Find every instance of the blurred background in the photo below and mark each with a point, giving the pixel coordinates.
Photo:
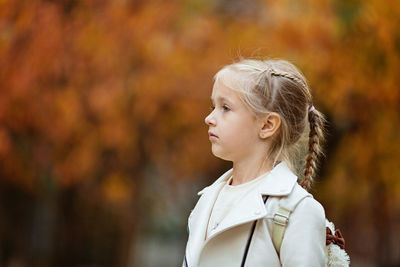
(103, 145)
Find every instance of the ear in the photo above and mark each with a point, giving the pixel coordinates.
(269, 125)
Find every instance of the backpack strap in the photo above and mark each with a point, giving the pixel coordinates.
(287, 204)
(281, 218)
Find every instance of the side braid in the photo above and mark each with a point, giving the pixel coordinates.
(274, 72)
(316, 135)
(288, 76)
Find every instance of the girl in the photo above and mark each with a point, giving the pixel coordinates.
(261, 110)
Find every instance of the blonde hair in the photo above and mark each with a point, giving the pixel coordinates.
(276, 85)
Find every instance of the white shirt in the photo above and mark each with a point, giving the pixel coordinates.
(227, 198)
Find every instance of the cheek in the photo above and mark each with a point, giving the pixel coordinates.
(244, 132)
(250, 133)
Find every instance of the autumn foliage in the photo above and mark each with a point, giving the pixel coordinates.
(97, 95)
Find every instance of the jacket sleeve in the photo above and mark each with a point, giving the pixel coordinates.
(304, 241)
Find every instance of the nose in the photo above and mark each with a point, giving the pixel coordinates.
(210, 120)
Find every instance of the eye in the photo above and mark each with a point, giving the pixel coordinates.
(226, 108)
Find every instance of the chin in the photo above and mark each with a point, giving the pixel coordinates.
(219, 154)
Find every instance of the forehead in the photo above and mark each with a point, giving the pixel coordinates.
(222, 88)
(221, 92)
(225, 89)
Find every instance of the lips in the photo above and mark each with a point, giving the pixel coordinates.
(210, 134)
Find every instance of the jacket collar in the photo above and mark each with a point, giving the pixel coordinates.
(278, 182)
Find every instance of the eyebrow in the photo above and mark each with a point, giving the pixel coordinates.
(221, 98)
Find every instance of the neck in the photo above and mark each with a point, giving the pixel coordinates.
(249, 169)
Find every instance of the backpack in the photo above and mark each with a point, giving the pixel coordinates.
(336, 256)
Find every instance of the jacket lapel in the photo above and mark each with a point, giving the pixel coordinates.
(278, 182)
(198, 219)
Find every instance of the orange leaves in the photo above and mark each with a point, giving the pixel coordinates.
(135, 80)
(92, 92)
(117, 189)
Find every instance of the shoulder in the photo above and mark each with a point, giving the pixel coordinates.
(308, 207)
(300, 202)
(312, 207)
(305, 236)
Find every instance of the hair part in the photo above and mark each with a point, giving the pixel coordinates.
(276, 85)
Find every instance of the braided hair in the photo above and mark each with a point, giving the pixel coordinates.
(316, 135)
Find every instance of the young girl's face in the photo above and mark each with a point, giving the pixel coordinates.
(233, 129)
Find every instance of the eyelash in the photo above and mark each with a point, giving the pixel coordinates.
(225, 107)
